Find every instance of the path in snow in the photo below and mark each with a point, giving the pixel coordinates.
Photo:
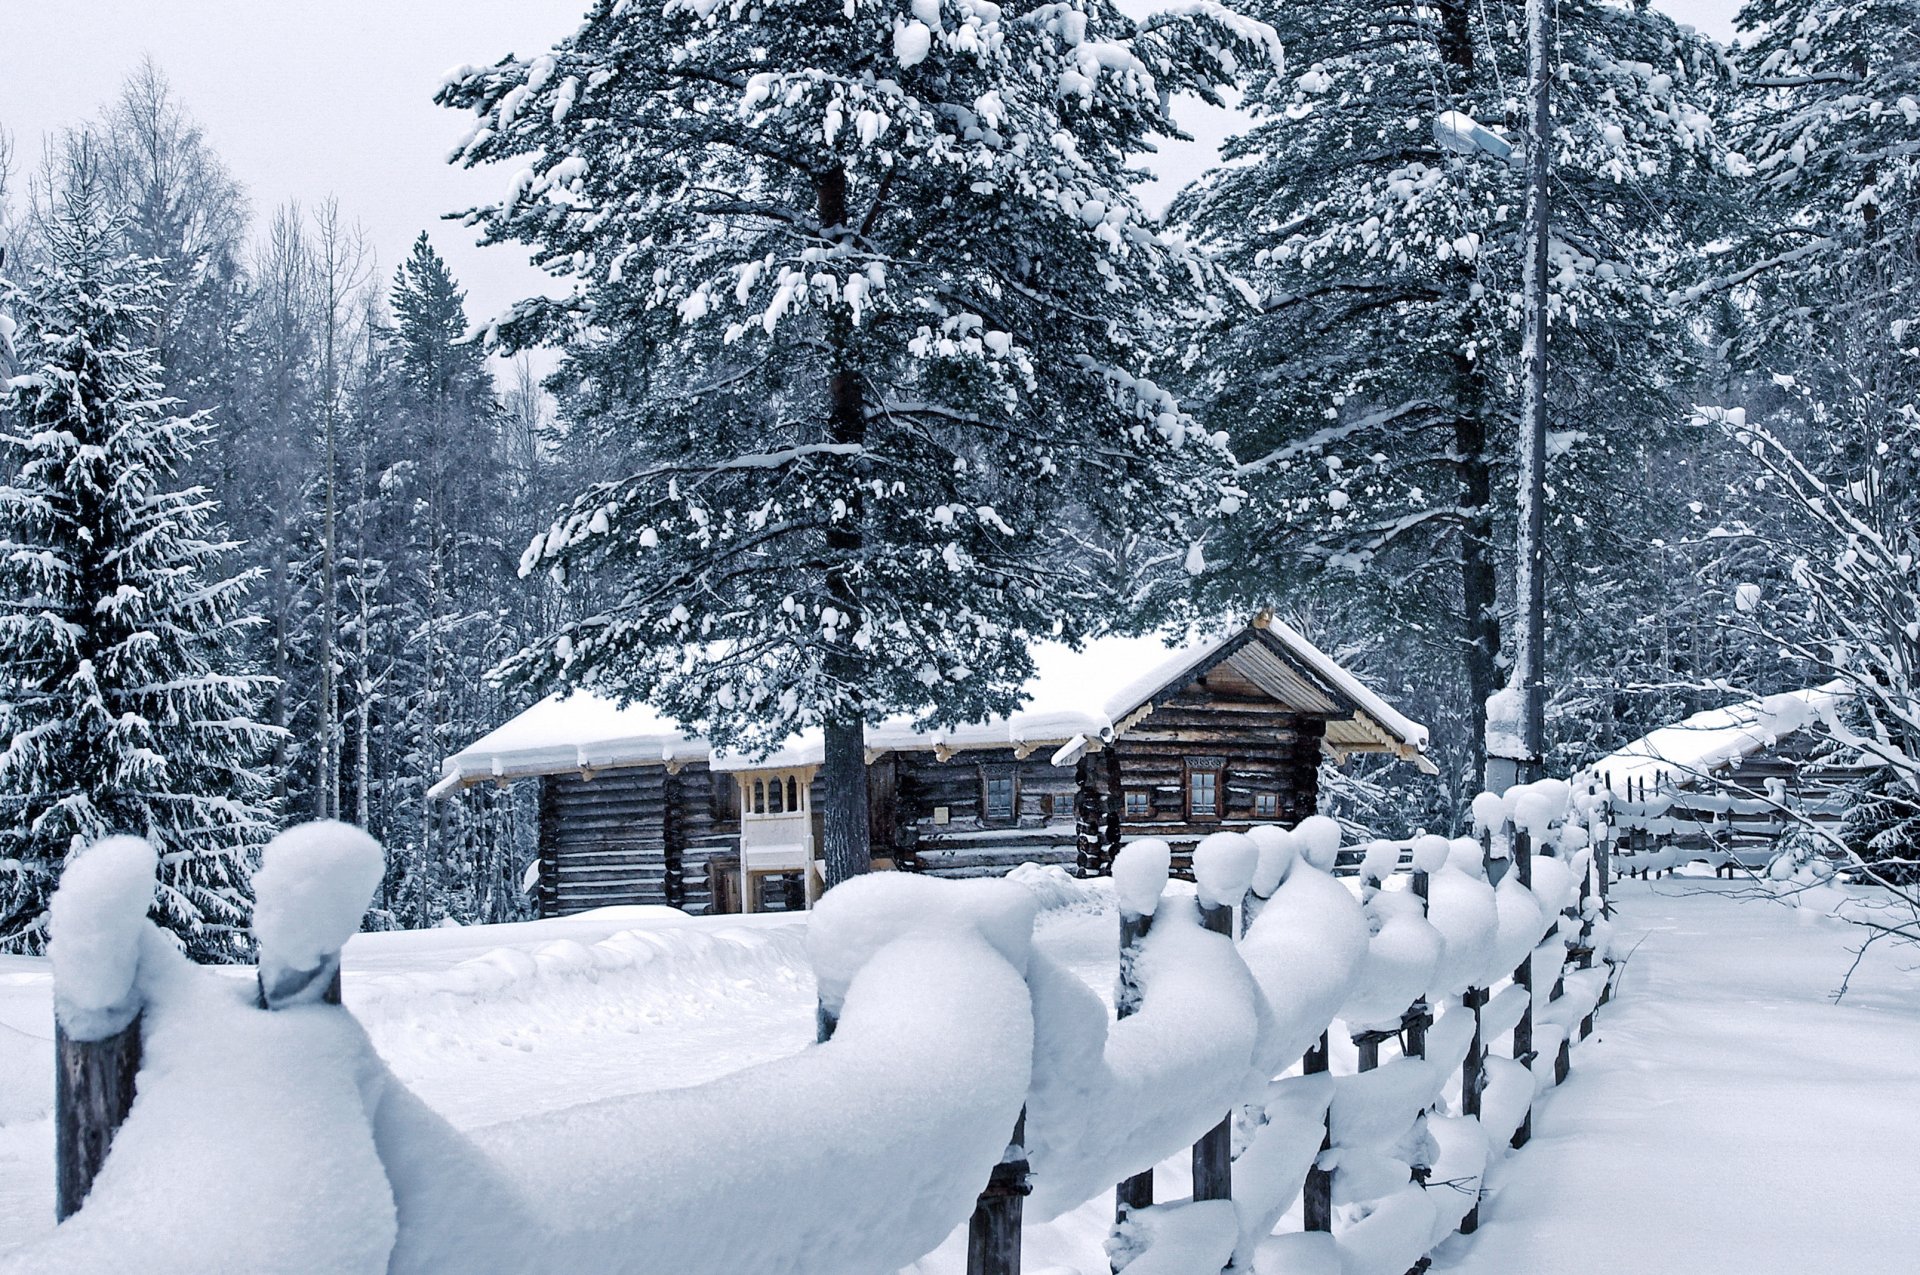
(1727, 1116)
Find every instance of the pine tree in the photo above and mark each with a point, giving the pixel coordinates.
(861, 289)
(1373, 398)
(120, 702)
(1820, 280)
(1828, 120)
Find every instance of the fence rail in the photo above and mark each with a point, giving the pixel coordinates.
(1364, 1049)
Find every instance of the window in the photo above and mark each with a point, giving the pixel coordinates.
(998, 803)
(1139, 804)
(1203, 794)
(775, 804)
(1205, 787)
(1266, 805)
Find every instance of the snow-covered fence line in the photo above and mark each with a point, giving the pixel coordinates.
(964, 1069)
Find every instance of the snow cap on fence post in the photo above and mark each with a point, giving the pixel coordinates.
(1223, 867)
(98, 917)
(1277, 851)
(313, 886)
(1140, 874)
(1430, 853)
(1318, 838)
(1537, 806)
(857, 918)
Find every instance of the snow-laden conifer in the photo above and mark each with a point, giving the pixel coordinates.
(121, 708)
(864, 286)
(1372, 401)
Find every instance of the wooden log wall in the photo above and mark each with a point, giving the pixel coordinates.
(641, 835)
(634, 835)
(1263, 749)
(1040, 828)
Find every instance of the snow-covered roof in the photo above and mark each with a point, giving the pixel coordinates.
(1708, 740)
(1076, 696)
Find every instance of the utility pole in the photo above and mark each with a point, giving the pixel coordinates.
(1530, 589)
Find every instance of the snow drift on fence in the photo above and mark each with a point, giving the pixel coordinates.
(860, 1155)
(271, 1112)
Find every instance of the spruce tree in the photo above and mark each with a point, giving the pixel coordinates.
(122, 707)
(1373, 398)
(441, 523)
(862, 287)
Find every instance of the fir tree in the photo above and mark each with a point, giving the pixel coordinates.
(862, 287)
(120, 701)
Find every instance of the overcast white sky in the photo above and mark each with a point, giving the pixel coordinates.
(305, 98)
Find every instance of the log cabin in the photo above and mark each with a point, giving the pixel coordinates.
(1724, 786)
(1119, 739)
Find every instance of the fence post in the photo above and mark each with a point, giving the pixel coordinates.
(103, 897)
(1213, 1154)
(993, 1233)
(1316, 1197)
(1419, 1016)
(1135, 1192)
(1522, 853)
(1473, 1070)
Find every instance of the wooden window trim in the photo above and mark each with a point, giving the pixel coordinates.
(1214, 766)
(1137, 803)
(1270, 798)
(1012, 776)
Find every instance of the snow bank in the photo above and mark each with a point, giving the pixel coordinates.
(1505, 1101)
(1223, 867)
(1053, 886)
(1282, 1146)
(1305, 950)
(1177, 1239)
(1140, 874)
(1393, 1235)
(852, 1158)
(1318, 838)
(1521, 923)
(1276, 849)
(1464, 911)
(98, 918)
(1401, 961)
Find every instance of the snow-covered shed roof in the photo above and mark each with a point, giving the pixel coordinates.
(1706, 741)
(1076, 696)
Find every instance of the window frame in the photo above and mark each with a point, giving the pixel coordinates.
(1216, 769)
(1266, 805)
(990, 776)
(1137, 803)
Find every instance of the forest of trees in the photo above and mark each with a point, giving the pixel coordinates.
(340, 455)
(875, 368)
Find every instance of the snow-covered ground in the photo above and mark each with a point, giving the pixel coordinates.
(1727, 1115)
(1708, 1126)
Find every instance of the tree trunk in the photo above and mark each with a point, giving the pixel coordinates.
(1479, 596)
(844, 818)
(847, 830)
(1530, 597)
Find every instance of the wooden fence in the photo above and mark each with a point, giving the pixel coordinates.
(97, 1072)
